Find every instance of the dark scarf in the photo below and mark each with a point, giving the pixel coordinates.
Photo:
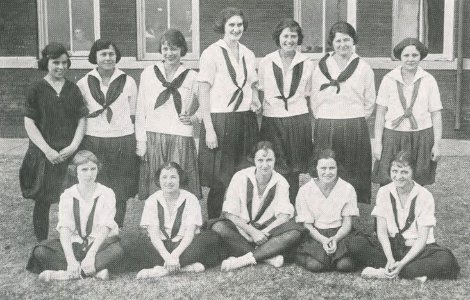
(237, 96)
(342, 77)
(296, 76)
(115, 89)
(176, 225)
(171, 89)
(408, 111)
(266, 203)
(89, 223)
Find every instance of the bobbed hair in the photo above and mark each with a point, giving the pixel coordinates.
(422, 49)
(224, 15)
(403, 158)
(261, 145)
(326, 153)
(52, 51)
(174, 37)
(80, 158)
(171, 165)
(100, 45)
(292, 25)
(342, 27)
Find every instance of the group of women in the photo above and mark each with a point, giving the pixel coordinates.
(256, 213)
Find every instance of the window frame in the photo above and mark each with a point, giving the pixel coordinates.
(351, 12)
(449, 23)
(43, 32)
(141, 51)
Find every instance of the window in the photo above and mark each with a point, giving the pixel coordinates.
(317, 16)
(156, 16)
(432, 21)
(74, 23)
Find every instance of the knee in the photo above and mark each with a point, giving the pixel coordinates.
(221, 228)
(309, 263)
(292, 236)
(41, 253)
(345, 264)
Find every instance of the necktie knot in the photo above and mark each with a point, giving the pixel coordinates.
(408, 112)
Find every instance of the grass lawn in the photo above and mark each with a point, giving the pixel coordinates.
(260, 282)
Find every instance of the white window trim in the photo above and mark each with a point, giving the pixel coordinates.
(190, 56)
(42, 25)
(351, 11)
(448, 42)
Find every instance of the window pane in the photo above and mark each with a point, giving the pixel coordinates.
(181, 19)
(435, 25)
(83, 30)
(58, 22)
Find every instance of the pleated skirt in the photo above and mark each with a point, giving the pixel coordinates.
(292, 141)
(418, 143)
(237, 134)
(350, 140)
(163, 148)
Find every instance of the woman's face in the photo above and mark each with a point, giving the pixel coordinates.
(58, 66)
(327, 170)
(87, 172)
(264, 161)
(410, 58)
(233, 28)
(106, 58)
(401, 174)
(171, 54)
(169, 180)
(288, 40)
(343, 44)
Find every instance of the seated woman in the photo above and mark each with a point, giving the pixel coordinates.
(325, 205)
(256, 223)
(174, 243)
(89, 236)
(405, 221)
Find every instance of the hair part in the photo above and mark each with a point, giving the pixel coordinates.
(80, 158)
(52, 51)
(292, 25)
(342, 27)
(326, 153)
(422, 49)
(224, 15)
(175, 38)
(261, 145)
(403, 158)
(168, 166)
(102, 44)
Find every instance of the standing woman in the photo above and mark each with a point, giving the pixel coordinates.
(55, 124)
(284, 83)
(408, 115)
(166, 107)
(343, 97)
(110, 96)
(227, 92)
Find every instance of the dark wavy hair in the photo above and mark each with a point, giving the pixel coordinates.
(52, 51)
(422, 49)
(173, 37)
(224, 15)
(100, 45)
(80, 158)
(292, 25)
(342, 27)
(403, 158)
(261, 145)
(172, 165)
(324, 154)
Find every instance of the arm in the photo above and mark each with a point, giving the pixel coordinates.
(378, 130)
(77, 139)
(255, 103)
(317, 236)
(36, 137)
(369, 93)
(173, 264)
(204, 97)
(140, 132)
(154, 234)
(437, 128)
(88, 263)
(382, 235)
(73, 266)
(258, 236)
(280, 219)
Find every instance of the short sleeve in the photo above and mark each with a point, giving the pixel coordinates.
(208, 66)
(82, 110)
(150, 213)
(303, 212)
(350, 208)
(251, 66)
(193, 215)
(369, 92)
(107, 209)
(380, 209)
(434, 99)
(232, 203)
(31, 107)
(261, 72)
(65, 215)
(425, 216)
(132, 95)
(282, 202)
(383, 95)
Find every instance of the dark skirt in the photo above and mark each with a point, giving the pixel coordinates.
(237, 134)
(418, 143)
(292, 141)
(120, 163)
(350, 140)
(313, 248)
(163, 148)
(278, 230)
(40, 180)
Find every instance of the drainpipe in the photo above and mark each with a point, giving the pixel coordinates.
(458, 94)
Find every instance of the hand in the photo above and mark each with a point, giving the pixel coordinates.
(73, 267)
(330, 246)
(389, 265)
(211, 139)
(172, 263)
(258, 236)
(88, 264)
(185, 119)
(435, 153)
(378, 151)
(394, 269)
(67, 152)
(141, 148)
(255, 106)
(53, 156)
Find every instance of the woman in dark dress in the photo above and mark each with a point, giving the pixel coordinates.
(55, 124)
